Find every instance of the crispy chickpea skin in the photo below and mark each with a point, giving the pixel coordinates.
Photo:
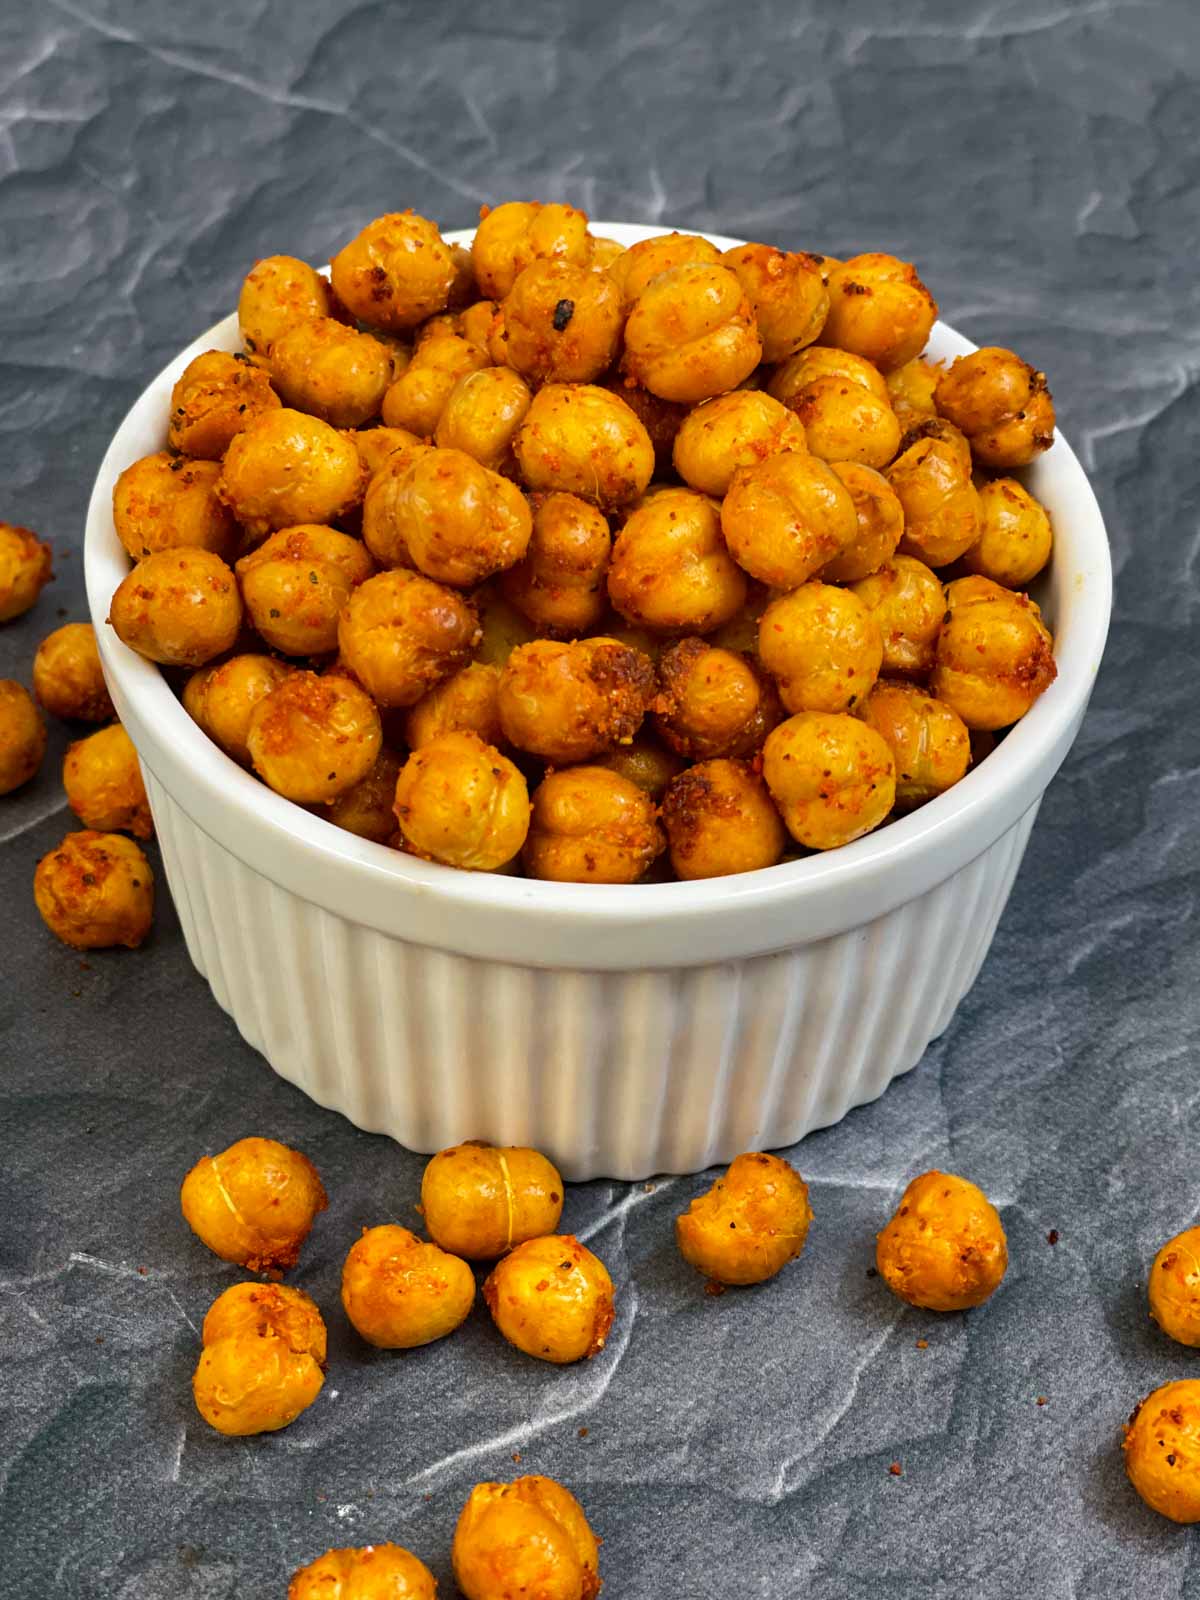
(22, 736)
(377, 445)
(526, 1540)
(584, 440)
(880, 524)
(289, 468)
(479, 1201)
(253, 1204)
(68, 679)
(823, 647)
(459, 522)
(788, 295)
(1001, 403)
(401, 634)
(482, 414)
(296, 583)
(277, 293)
(1015, 536)
(843, 421)
(460, 802)
(911, 388)
(263, 1360)
(691, 334)
(995, 655)
(475, 323)
(383, 506)
(880, 309)
(511, 236)
(400, 1292)
(638, 266)
(468, 702)
(831, 776)
(784, 519)
(568, 702)
(670, 570)
(216, 397)
(713, 702)
(95, 890)
(734, 430)
(366, 809)
(103, 781)
(313, 738)
(221, 699)
(1174, 1288)
(932, 480)
(164, 502)
(395, 273)
(369, 1572)
(562, 322)
(559, 584)
(552, 1298)
(750, 1224)
(795, 374)
(1162, 1450)
(908, 603)
(928, 740)
(944, 1249)
(334, 372)
(720, 819)
(178, 607)
(419, 396)
(25, 569)
(590, 825)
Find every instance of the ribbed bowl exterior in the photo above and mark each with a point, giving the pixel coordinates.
(613, 1074)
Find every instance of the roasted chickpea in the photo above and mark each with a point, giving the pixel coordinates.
(1162, 1450)
(1001, 403)
(944, 1249)
(401, 635)
(995, 656)
(562, 322)
(644, 762)
(400, 1292)
(384, 504)
(468, 702)
(843, 421)
(932, 480)
(552, 1298)
(880, 524)
(569, 702)
(831, 776)
(277, 293)
(720, 819)
(178, 607)
(479, 1201)
(296, 584)
(254, 1204)
(794, 375)
(287, 469)
(460, 802)
(366, 809)
(788, 295)
(313, 738)
(714, 702)
(222, 699)
(670, 569)
(95, 890)
(910, 389)
(691, 334)
(929, 741)
(164, 502)
(459, 522)
(880, 309)
(334, 372)
(215, 398)
(68, 679)
(475, 323)
(560, 583)
(22, 736)
(908, 603)
(586, 441)
(527, 1538)
(590, 825)
(511, 236)
(605, 252)
(377, 445)
(395, 273)
(481, 417)
(1015, 536)
(25, 569)
(374, 1572)
(421, 393)
(734, 430)
(263, 1361)
(823, 647)
(750, 1224)
(103, 781)
(785, 518)
(662, 419)
(1175, 1287)
(638, 266)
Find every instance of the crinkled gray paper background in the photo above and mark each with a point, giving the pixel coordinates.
(1040, 162)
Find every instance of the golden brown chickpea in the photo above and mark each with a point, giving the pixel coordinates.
(910, 389)
(288, 468)
(733, 431)
(1015, 536)
(373, 1572)
(401, 635)
(908, 603)
(820, 361)
(605, 252)
(382, 512)
(468, 702)
(843, 421)
(929, 741)
(296, 584)
(529, 1538)
(560, 583)
(552, 1298)
(638, 266)
(995, 655)
(511, 236)
(832, 778)
(366, 809)
(377, 445)
(481, 417)
(880, 524)
(395, 273)
(644, 762)
(586, 441)
(822, 646)
(313, 738)
(714, 702)
(266, 1311)
(216, 397)
(662, 419)
(479, 1201)
(691, 334)
(475, 323)
(459, 522)
(178, 607)
(25, 569)
(263, 1361)
(22, 736)
(1162, 1450)
(1175, 1287)
(568, 702)
(932, 480)
(880, 309)
(562, 322)
(787, 292)
(590, 825)
(222, 698)
(787, 517)
(420, 394)
(277, 293)
(1001, 403)
(334, 372)
(95, 890)
(254, 1204)
(720, 819)
(750, 1224)
(68, 679)
(460, 802)
(944, 1249)
(670, 570)
(400, 1292)
(164, 502)
(103, 781)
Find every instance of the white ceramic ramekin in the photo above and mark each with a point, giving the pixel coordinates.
(625, 1031)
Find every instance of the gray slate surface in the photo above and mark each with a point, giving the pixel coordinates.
(1040, 161)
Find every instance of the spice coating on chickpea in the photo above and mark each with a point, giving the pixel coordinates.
(736, 430)
(568, 702)
(552, 1298)
(1001, 403)
(178, 607)
(750, 1224)
(908, 603)
(822, 646)
(843, 421)
(334, 372)
(263, 1360)
(528, 1539)
(832, 778)
(636, 268)
(377, 445)
(713, 702)
(691, 334)
(928, 740)
(788, 295)
(670, 569)
(25, 569)
(879, 309)
(369, 1572)
(418, 398)
(1174, 1287)
(720, 819)
(562, 322)
(400, 1292)
(366, 809)
(481, 416)
(995, 655)
(932, 480)
(296, 584)
(559, 584)
(460, 802)
(590, 825)
(786, 518)
(468, 702)
(383, 505)
(313, 738)
(95, 890)
(401, 634)
(1162, 1450)
(68, 679)
(911, 389)
(277, 293)
(880, 525)
(215, 398)
(103, 782)
(221, 699)
(459, 522)
(287, 469)
(944, 1249)
(511, 236)
(164, 502)
(253, 1204)
(22, 736)
(794, 375)
(584, 440)
(1015, 537)
(479, 1201)
(395, 273)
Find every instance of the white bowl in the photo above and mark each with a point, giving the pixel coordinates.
(623, 1030)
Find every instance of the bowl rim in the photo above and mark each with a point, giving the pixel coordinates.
(500, 917)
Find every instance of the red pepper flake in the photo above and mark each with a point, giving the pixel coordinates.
(1052, 1236)
(895, 1469)
(1041, 1399)
(583, 1433)
(872, 1272)
(714, 1289)
(922, 1344)
(517, 1457)
(141, 1272)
